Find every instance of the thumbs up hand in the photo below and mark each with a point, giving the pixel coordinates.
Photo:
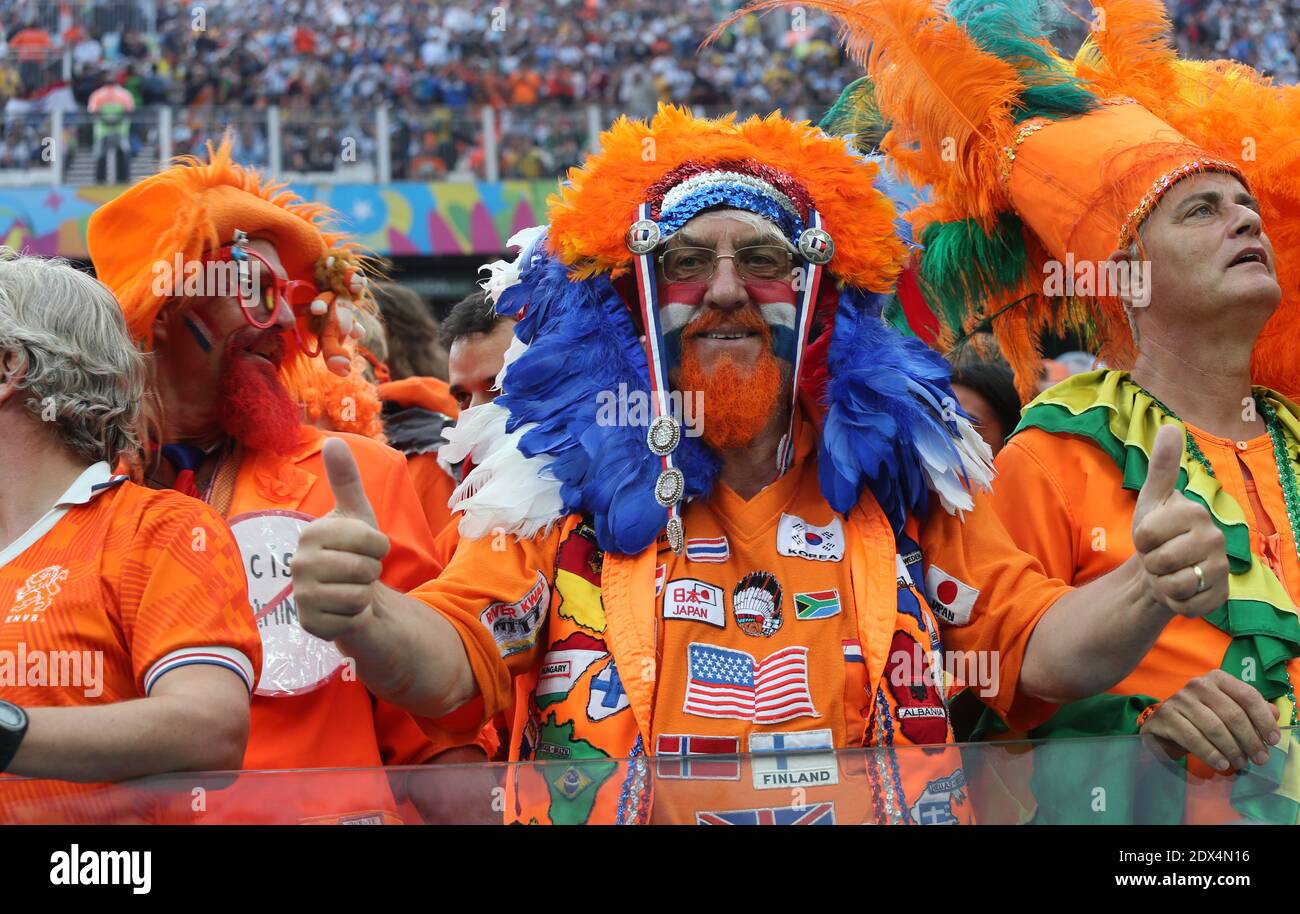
(339, 557)
(1175, 538)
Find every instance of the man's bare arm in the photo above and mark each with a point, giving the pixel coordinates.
(1097, 634)
(404, 652)
(195, 719)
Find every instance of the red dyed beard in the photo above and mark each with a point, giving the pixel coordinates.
(739, 399)
(255, 408)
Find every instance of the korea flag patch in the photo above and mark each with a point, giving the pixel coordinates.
(796, 537)
(951, 600)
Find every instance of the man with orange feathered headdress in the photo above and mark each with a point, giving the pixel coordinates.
(709, 503)
(233, 285)
(1125, 194)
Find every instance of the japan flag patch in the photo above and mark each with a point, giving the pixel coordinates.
(952, 601)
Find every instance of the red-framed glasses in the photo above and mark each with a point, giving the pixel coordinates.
(261, 294)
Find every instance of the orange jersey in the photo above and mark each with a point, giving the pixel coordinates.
(783, 625)
(110, 591)
(424, 403)
(322, 717)
(1081, 528)
(1064, 499)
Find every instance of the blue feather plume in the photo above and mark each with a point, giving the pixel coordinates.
(886, 405)
(581, 347)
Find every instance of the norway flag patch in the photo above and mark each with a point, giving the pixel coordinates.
(952, 601)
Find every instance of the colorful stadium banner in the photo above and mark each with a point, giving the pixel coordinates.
(403, 219)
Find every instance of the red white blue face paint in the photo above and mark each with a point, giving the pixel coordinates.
(682, 303)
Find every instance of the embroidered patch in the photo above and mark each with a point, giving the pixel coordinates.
(515, 626)
(817, 814)
(564, 665)
(577, 581)
(951, 600)
(661, 573)
(697, 758)
(790, 759)
(35, 595)
(727, 683)
(796, 537)
(853, 651)
(820, 604)
(572, 787)
(914, 679)
(687, 598)
(607, 696)
(935, 804)
(712, 549)
(756, 604)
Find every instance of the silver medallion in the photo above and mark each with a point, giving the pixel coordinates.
(816, 245)
(669, 487)
(643, 237)
(663, 435)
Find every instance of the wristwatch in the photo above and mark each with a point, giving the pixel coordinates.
(13, 727)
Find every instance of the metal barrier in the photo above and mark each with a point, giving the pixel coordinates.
(375, 146)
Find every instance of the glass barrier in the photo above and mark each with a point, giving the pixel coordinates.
(697, 780)
(437, 144)
(341, 145)
(537, 143)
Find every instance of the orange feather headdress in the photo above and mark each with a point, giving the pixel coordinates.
(1236, 114)
(640, 161)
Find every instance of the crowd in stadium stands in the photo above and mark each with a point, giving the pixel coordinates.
(1262, 33)
(328, 64)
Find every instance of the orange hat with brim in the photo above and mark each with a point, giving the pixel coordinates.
(195, 207)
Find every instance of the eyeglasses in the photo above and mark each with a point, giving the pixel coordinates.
(756, 262)
(261, 293)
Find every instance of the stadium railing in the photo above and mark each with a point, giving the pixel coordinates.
(380, 145)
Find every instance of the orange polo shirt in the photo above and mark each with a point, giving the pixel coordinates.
(115, 587)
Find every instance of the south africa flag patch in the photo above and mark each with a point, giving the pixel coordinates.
(820, 604)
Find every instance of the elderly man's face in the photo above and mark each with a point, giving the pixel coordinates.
(727, 304)
(1209, 255)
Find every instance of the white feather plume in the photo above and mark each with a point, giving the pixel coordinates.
(505, 491)
(505, 273)
(946, 480)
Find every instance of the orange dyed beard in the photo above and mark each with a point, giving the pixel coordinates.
(739, 399)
